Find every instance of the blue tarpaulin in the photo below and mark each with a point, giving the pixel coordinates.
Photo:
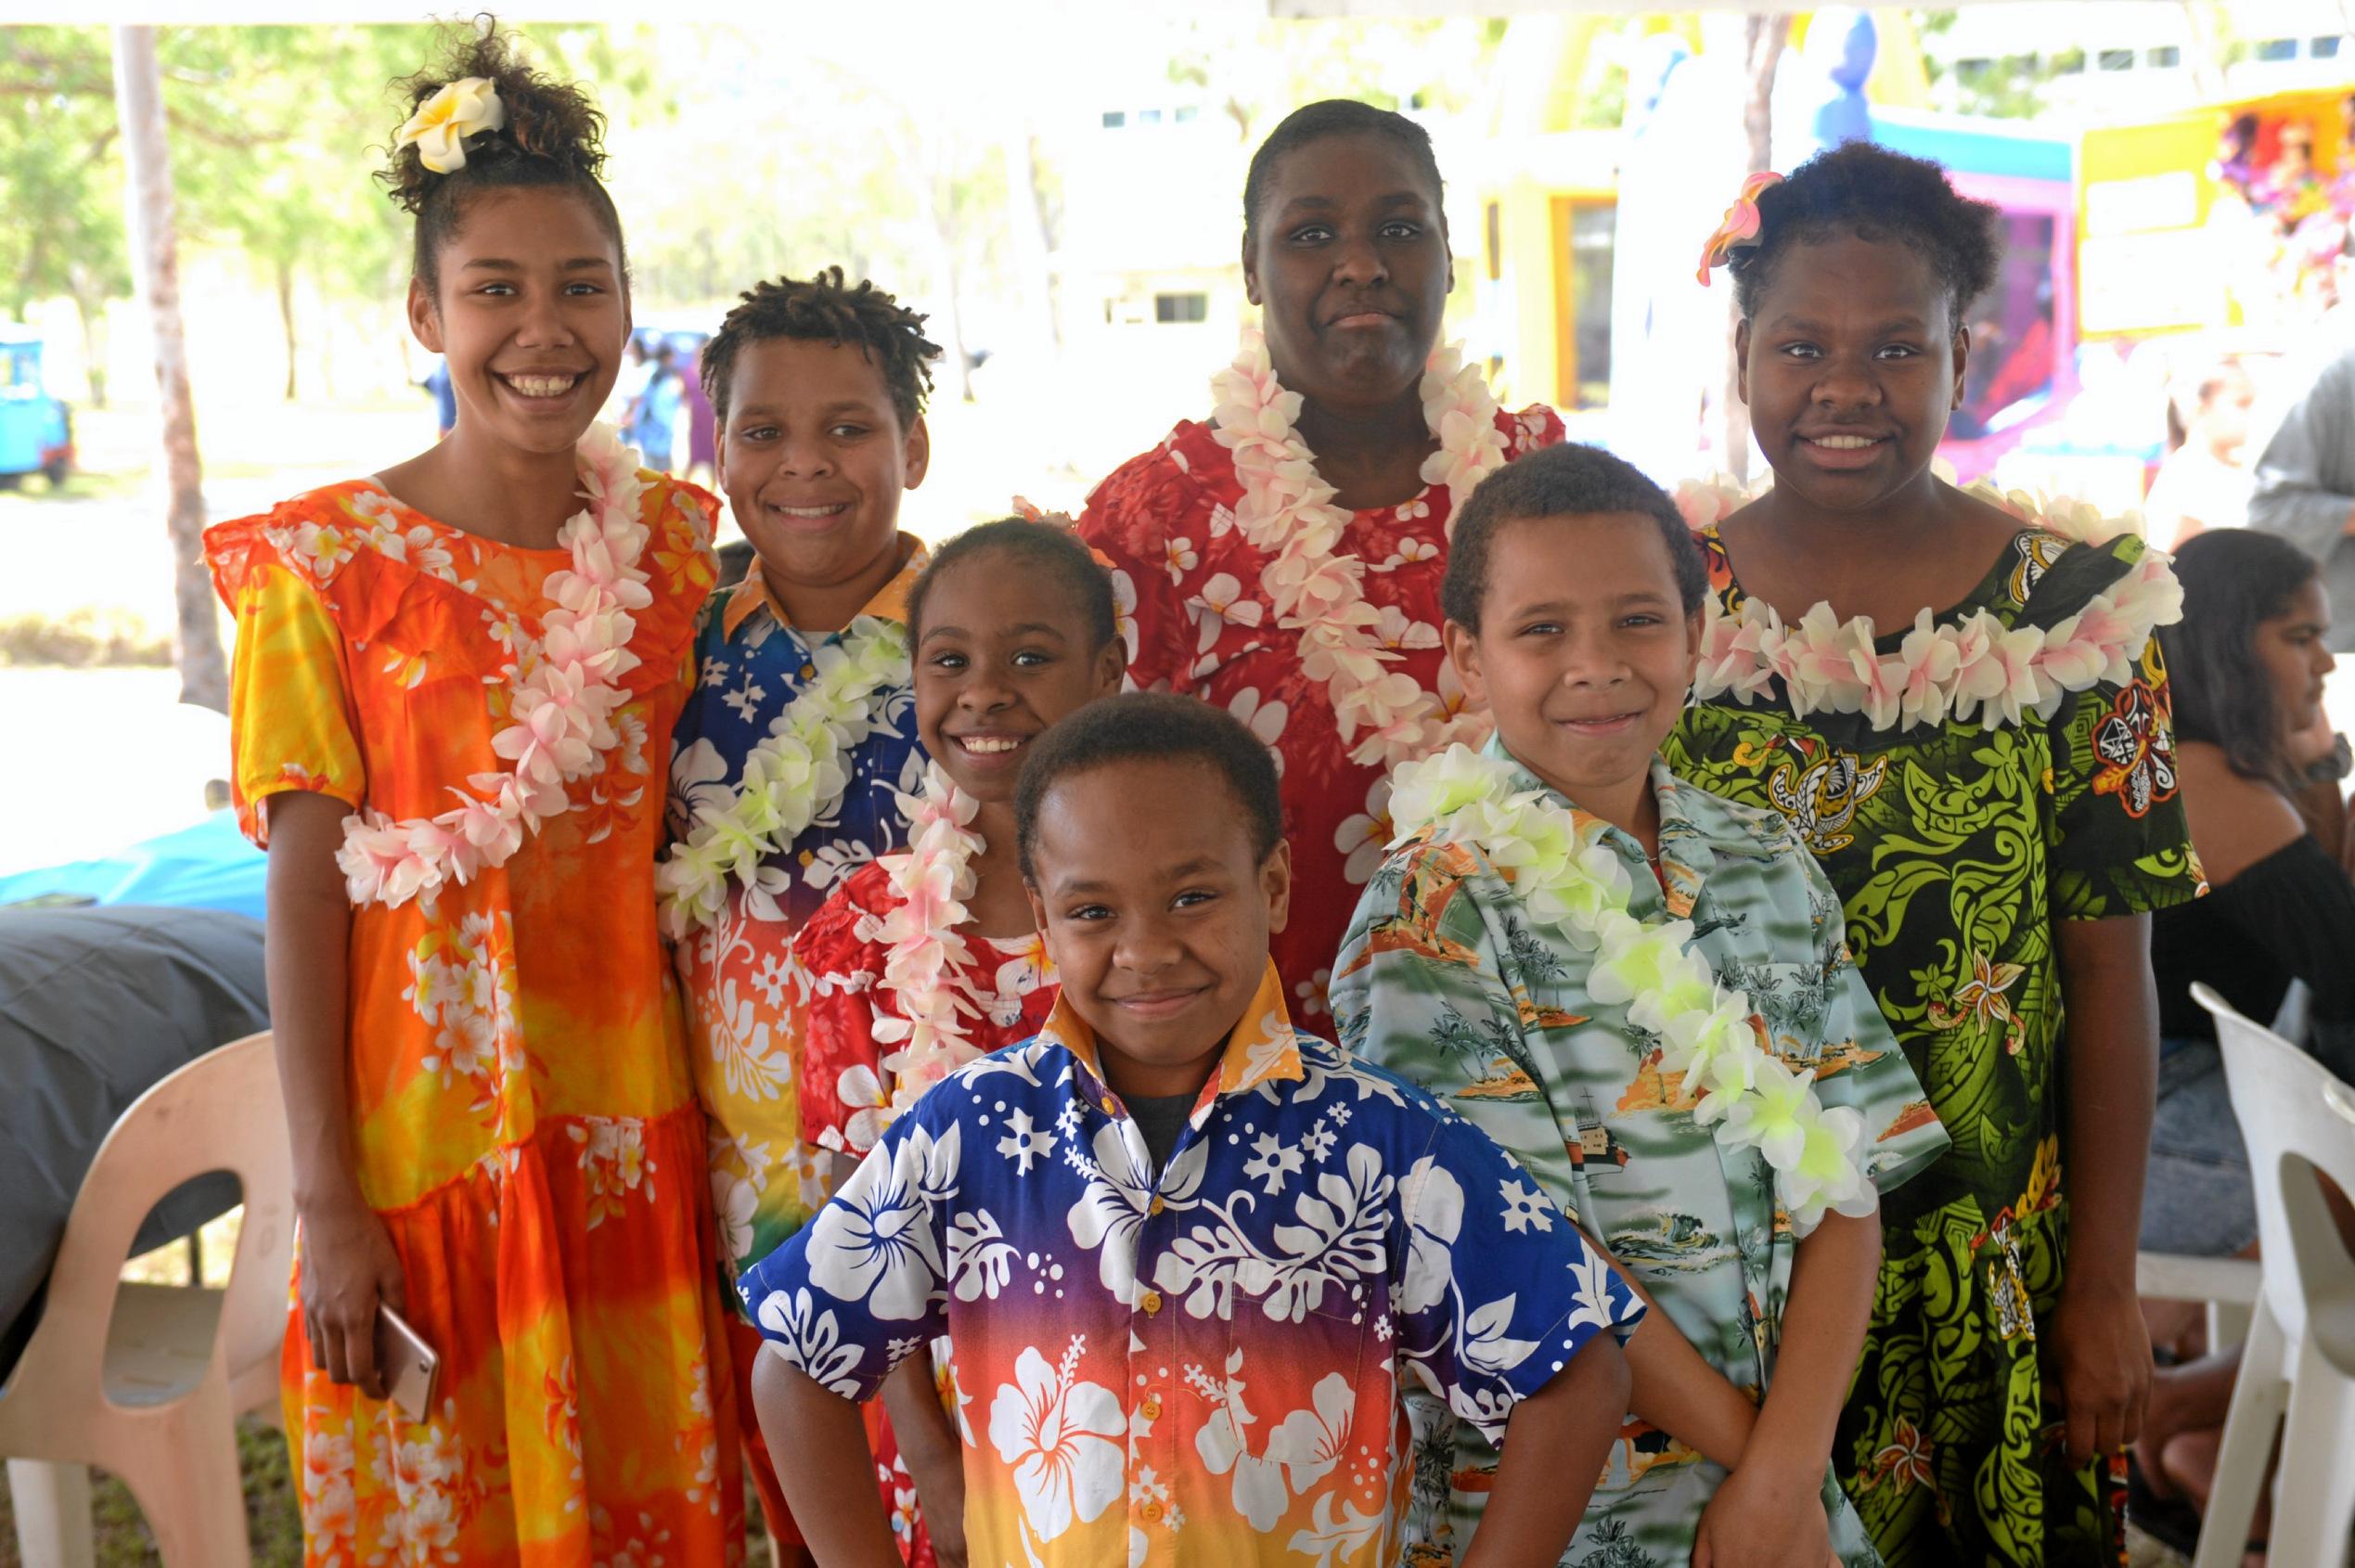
(208, 866)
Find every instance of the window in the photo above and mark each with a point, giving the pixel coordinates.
(2167, 57)
(2115, 59)
(1180, 309)
(1594, 230)
(1186, 113)
(2325, 47)
(2275, 49)
(2069, 62)
(1114, 120)
(1149, 116)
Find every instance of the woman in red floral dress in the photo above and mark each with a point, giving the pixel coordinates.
(1282, 559)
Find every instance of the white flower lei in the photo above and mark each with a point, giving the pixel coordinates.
(1287, 512)
(1568, 879)
(1975, 667)
(790, 778)
(564, 690)
(930, 880)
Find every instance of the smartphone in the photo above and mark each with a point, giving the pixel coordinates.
(412, 1371)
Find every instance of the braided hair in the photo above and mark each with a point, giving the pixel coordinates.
(554, 137)
(824, 309)
(1876, 195)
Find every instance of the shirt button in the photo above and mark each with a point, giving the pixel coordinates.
(1150, 1302)
(1151, 1408)
(808, 670)
(1156, 1206)
(1151, 1512)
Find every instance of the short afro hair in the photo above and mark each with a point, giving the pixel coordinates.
(822, 309)
(1876, 195)
(1157, 727)
(1334, 117)
(1564, 481)
(1041, 546)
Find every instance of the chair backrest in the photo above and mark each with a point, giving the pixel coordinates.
(2296, 1120)
(219, 1113)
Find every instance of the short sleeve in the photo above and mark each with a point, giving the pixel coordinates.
(840, 1302)
(1499, 1289)
(1127, 519)
(2121, 844)
(292, 723)
(1860, 1065)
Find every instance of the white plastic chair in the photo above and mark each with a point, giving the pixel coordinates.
(2299, 1361)
(2229, 1288)
(148, 1380)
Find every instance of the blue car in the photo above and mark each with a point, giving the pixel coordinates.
(36, 433)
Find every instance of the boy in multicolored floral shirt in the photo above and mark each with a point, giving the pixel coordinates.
(1645, 993)
(790, 757)
(1183, 1254)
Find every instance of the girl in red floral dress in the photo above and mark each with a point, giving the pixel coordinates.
(923, 961)
(1282, 560)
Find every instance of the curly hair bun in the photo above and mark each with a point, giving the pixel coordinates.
(551, 124)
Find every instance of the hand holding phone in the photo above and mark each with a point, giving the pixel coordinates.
(411, 1368)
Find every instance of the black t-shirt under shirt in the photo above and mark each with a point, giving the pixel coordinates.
(1161, 1119)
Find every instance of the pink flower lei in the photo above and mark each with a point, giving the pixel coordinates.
(1287, 512)
(564, 690)
(925, 956)
(1975, 668)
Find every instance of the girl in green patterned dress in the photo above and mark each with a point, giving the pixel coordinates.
(1990, 783)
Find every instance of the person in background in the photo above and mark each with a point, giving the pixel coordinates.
(655, 414)
(437, 383)
(2305, 484)
(2261, 789)
(2204, 482)
(702, 424)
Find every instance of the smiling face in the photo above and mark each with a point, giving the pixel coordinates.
(2291, 649)
(814, 461)
(530, 315)
(1002, 653)
(1348, 254)
(1850, 364)
(1156, 913)
(1584, 652)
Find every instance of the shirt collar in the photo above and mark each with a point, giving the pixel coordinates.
(1688, 850)
(1261, 1050)
(890, 602)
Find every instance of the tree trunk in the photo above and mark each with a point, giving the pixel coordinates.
(1763, 38)
(89, 308)
(1032, 249)
(155, 243)
(286, 319)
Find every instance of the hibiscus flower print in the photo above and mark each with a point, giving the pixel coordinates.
(1063, 1438)
(876, 1243)
(1264, 720)
(1178, 557)
(812, 1341)
(1364, 837)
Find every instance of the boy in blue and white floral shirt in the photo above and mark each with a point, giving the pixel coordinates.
(1183, 1253)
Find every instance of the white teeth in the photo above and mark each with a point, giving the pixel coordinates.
(1845, 442)
(988, 746)
(810, 511)
(543, 386)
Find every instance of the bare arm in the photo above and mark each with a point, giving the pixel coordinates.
(1770, 1509)
(2099, 1349)
(1674, 1390)
(935, 1459)
(1555, 1446)
(348, 1261)
(824, 1464)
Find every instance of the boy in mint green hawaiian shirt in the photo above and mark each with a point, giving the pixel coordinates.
(1627, 982)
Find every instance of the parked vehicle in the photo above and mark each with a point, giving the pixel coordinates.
(36, 430)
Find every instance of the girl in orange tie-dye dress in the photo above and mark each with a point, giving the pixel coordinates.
(454, 688)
